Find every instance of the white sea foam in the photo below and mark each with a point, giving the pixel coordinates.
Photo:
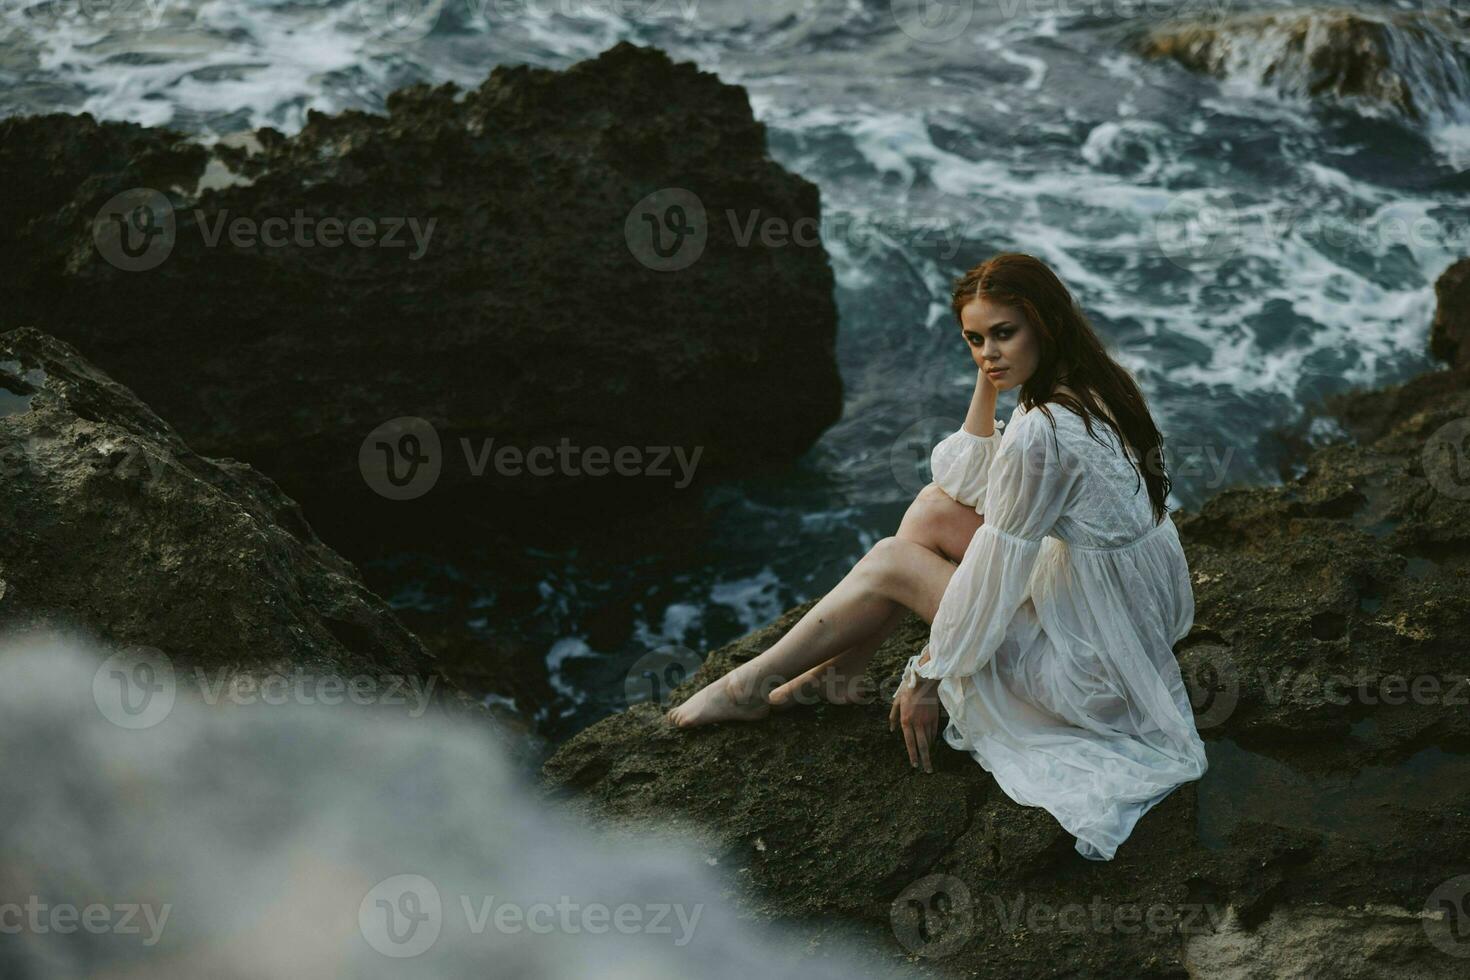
(680, 621)
(564, 649)
(756, 599)
(1356, 314)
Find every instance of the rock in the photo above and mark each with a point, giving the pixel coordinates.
(1411, 64)
(527, 318)
(1312, 940)
(1368, 419)
(1449, 336)
(1333, 811)
(110, 525)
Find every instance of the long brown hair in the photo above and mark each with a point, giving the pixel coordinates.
(1071, 354)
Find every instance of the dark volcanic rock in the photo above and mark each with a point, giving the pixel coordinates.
(1331, 682)
(1449, 335)
(527, 317)
(111, 525)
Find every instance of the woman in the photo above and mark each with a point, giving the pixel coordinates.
(1051, 640)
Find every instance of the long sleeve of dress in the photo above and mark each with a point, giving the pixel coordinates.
(961, 462)
(1028, 486)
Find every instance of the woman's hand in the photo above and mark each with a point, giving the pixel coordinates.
(984, 386)
(980, 417)
(916, 710)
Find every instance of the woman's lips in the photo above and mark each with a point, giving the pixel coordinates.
(997, 372)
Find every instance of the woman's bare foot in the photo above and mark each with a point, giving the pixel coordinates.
(727, 698)
(840, 680)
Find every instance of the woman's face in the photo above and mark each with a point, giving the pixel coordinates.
(1000, 339)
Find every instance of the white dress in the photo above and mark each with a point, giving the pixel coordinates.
(1054, 638)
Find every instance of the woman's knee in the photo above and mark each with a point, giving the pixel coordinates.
(881, 562)
(883, 551)
(932, 494)
(925, 517)
(939, 522)
(901, 570)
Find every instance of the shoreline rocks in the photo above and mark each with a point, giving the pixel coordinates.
(507, 286)
(1411, 64)
(113, 528)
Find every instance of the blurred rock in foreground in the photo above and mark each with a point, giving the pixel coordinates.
(297, 840)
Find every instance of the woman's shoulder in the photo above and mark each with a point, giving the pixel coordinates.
(1029, 429)
(1062, 427)
(1032, 419)
(1063, 412)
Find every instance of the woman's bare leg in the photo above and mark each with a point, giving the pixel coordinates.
(838, 680)
(934, 520)
(895, 574)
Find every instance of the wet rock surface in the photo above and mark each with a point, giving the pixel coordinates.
(1414, 64)
(1449, 335)
(536, 308)
(112, 526)
(1331, 682)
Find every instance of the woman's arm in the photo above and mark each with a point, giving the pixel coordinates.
(980, 419)
(961, 461)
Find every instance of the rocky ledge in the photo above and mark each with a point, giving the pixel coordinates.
(1331, 682)
(113, 529)
(1410, 64)
(603, 257)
